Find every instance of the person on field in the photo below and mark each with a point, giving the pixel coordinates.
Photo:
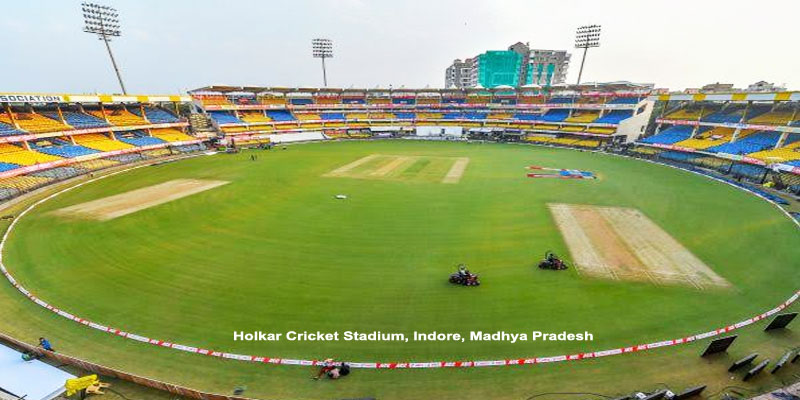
(327, 366)
(45, 344)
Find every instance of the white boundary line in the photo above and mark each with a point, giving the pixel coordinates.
(370, 365)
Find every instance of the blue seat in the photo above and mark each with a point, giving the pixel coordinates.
(67, 150)
(280, 115)
(405, 115)
(224, 117)
(138, 138)
(77, 120)
(750, 144)
(555, 115)
(4, 166)
(670, 135)
(159, 116)
(614, 117)
(624, 100)
(8, 130)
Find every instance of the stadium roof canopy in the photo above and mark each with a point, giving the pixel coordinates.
(584, 87)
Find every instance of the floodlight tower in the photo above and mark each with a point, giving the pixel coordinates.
(585, 37)
(103, 21)
(322, 48)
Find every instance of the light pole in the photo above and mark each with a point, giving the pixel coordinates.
(322, 48)
(103, 21)
(585, 37)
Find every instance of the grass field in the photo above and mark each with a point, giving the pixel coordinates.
(273, 250)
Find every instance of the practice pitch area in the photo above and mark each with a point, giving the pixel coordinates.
(275, 251)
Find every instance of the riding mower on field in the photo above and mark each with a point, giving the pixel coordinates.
(464, 277)
(551, 261)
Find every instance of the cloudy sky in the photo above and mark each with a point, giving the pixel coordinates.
(175, 45)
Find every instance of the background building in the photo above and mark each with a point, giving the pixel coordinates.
(518, 66)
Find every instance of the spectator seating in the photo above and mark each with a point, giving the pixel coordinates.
(614, 117)
(789, 152)
(4, 166)
(781, 117)
(750, 143)
(710, 138)
(34, 123)
(78, 120)
(157, 115)
(332, 116)
(381, 115)
(555, 115)
(404, 115)
(253, 116)
(579, 116)
(99, 141)
(171, 135)
(214, 100)
(670, 135)
(138, 138)
(7, 129)
(119, 117)
(527, 117)
(600, 130)
(307, 116)
(14, 154)
(624, 100)
(561, 100)
(224, 117)
(61, 148)
(280, 115)
(500, 116)
(689, 113)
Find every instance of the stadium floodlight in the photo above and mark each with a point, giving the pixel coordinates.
(585, 37)
(322, 48)
(103, 21)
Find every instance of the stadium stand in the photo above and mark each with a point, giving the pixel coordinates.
(670, 135)
(332, 116)
(61, 148)
(790, 151)
(710, 138)
(101, 142)
(34, 123)
(77, 120)
(778, 117)
(614, 117)
(138, 138)
(307, 116)
(693, 112)
(556, 115)
(119, 117)
(7, 129)
(13, 154)
(170, 135)
(583, 116)
(751, 143)
(253, 116)
(224, 117)
(280, 115)
(156, 115)
(624, 100)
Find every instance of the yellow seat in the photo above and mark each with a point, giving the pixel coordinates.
(101, 142)
(171, 135)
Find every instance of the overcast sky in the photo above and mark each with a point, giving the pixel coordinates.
(174, 45)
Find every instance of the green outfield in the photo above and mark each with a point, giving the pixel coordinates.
(267, 246)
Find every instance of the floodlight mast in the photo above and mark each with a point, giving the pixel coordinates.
(585, 37)
(322, 48)
(103, 21)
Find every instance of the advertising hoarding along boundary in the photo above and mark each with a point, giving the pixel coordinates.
(368, 365)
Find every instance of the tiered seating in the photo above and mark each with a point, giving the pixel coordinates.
(357, 116)
(567, 141)
(214, 100)
(600, 130)
(572, 128)
(670, 135)
(280, 115)
(429, 115)
(7, 129)
(138, 138)
(749, 144)
(272, 100)
(404, 115)
(789, 152)
(332, 116)
(614, 117)
(708, 139)
(61, 148)
(728, 115)
(561, 100)
(527, 117)
(98, 141)
(157, 116)
(34, 123)
(78, 120)
(253, 116)
(583, 116)
(781, 117)
(555, 115)
(119, 117)
(500, 116)
(689, 113)
(24, 182)
(624, 100)
(381, 115)
(4, 166)
(308, 116)
(13, 154)
(171, 135)
(224, 117)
